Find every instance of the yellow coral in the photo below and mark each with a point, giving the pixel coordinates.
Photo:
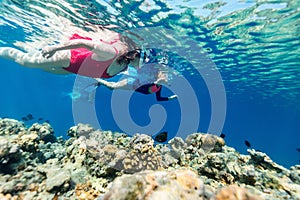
(234, 192)
(136, 161)
(85, 191)
(187, 179)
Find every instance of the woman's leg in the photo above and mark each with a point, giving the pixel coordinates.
(36, 60)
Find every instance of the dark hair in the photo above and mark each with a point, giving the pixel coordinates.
(129, 56)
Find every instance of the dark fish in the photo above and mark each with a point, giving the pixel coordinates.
(161, 137)
(47, 121)
(222, 135)
(24, 119)
(40, 119)
(247, 143)
(29, 116)
(298, 149)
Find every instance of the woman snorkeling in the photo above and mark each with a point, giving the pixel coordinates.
(80, 55)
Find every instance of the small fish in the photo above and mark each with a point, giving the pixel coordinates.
(40, 119)
(161, 137)
(29, 116)
(47, 121)
(298, 149)
(24, 119)
(222, 135)
(247, 143)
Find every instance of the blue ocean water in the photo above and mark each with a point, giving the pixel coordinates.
(254, 46)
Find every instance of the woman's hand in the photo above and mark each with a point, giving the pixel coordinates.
(48, 51)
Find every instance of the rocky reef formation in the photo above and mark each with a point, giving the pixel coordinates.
(102, 165)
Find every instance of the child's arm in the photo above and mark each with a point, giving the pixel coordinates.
(123, 84)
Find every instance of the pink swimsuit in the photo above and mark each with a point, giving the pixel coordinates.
(82, 63)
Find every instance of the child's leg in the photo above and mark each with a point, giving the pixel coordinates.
(36, 60)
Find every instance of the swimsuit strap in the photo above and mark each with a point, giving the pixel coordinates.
(117, 53)
(111, 42)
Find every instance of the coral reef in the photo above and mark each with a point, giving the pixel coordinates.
(156, 185)
(102, 165)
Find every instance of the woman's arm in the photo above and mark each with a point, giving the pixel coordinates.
(101, 49)
(123, 84)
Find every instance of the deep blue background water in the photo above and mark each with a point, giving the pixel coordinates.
(269, 128)
(260, 70)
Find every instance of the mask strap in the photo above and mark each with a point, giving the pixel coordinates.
(142, 55)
